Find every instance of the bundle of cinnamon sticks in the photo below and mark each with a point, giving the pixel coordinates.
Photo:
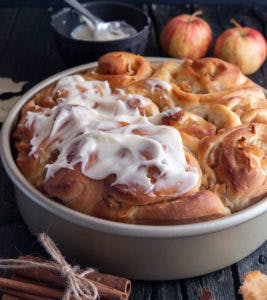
(38, 283)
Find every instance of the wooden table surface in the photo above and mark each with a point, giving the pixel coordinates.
(28, 53)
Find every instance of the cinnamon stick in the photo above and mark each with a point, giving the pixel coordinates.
(38, 283)
(119, 283)
(104, 291)
(35, 291)
(18, 287)
(10, 297)
(44, 275)
(22, 296)
(55, 278)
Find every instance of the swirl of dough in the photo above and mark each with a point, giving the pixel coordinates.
(157, 87)
(209, 80)
(200, 206)
(240, 105)
(219, 115)
(234, 164)
(191, 126)
(257, 115)
(121, 69)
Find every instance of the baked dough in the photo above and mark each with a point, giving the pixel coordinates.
(148, 142)
(120, 69)
(235, 163)
(254, 286)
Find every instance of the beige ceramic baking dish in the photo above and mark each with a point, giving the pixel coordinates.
(134, 251)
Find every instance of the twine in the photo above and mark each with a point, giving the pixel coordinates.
(77, 285)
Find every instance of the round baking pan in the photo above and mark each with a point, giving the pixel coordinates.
(135, 251)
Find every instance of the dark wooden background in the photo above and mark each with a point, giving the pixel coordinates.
(28, 52)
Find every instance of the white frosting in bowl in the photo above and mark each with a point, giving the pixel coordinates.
(84, 33)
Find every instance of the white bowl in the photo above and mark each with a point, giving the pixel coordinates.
(133, 251)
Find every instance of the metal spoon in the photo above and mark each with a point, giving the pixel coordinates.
(98, 26)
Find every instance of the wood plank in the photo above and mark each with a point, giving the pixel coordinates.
(219, 283)
(157, 290)
(28, 50)
(8, 210)
(261, 15)
(7, 17)
(153, 47)
(53, 61)
(141, 290)
(167, 290)
(255, 261)
(16, 240)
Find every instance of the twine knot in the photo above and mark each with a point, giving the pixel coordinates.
(77, 286)
(66, 269)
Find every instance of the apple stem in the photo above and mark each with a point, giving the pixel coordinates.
(233, 21)
(196, 13)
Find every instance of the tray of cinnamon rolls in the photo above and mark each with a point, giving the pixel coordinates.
(143, 141)
(148, 168)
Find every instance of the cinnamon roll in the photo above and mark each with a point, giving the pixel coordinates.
(120, 69)
(209, 80)
(158, 87)
(234, 164)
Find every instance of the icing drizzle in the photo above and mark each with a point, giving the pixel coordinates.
(105, 134)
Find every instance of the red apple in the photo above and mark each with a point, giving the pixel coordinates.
(242, 46)
(186, 36)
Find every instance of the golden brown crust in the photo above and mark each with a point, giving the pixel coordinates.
(121, 68)
(163, 98)
(222, 121)
(209, 80)
(254, 286)
(235, 164)
(234, 111)
(219, 115)
(200, 206)
(75, 190)
(192, 127)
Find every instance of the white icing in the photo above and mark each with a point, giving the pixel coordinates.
(141, 101)
(154, 83)
(157, 119)
(97, 129)
(85, 33)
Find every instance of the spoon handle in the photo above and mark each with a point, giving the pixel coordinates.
(82, 10)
